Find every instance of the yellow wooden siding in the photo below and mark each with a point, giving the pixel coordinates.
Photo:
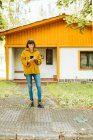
(55, 33)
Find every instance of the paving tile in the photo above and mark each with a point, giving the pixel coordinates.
(20, 122)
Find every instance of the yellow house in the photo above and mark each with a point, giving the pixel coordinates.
(67, 54)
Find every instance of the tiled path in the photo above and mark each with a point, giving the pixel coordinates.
(20, 122)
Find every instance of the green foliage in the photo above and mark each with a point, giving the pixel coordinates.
(81, 18)
(7, 6)
(27, 1)
(81, 23)
(12, 10)
(2, 38)
(0, 4)
(65, 3)
(87, 8)
(59, 3)
(2, 21)
(11, 0)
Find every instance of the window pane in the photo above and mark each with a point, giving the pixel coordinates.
(49, 56)
(86, 59)
(91, 60)
(83, 60)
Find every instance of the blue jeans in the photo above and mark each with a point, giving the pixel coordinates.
(38, 85)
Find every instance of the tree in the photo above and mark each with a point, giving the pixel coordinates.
(2, 21)
(82, 16)
(15, 12)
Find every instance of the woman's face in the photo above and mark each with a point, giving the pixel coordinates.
(31, 46)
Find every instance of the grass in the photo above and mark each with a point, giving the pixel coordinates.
(62, 94)
(8, 88)
(72, 94)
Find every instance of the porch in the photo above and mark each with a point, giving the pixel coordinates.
(48, 71)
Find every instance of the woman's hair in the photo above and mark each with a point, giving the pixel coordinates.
(30, 41)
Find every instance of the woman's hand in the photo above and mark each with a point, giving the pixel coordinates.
(35, 59)
(30, 60)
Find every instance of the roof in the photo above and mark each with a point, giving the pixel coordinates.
(34, 24)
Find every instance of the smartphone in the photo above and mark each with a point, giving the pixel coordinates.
(31, 57)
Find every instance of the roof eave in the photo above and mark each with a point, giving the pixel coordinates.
(37, 23)
(31, 25)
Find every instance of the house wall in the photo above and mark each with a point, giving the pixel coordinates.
(47, 71)
(2, 62)
(69, 64)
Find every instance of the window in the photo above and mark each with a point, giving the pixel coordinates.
(86, 59)
(49, 56)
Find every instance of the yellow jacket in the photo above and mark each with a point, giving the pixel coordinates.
(32, 67)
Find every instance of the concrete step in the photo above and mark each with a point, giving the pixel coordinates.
(43, 81)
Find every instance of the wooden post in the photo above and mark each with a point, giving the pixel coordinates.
(7, 61)
(58, 63)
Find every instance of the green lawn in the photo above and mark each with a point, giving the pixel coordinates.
(62, 94)
(72, 94)
(8, 88)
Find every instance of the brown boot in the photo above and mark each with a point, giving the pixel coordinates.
(32, 103)
(40, 105)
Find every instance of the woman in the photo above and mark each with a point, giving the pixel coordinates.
(30, 59)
